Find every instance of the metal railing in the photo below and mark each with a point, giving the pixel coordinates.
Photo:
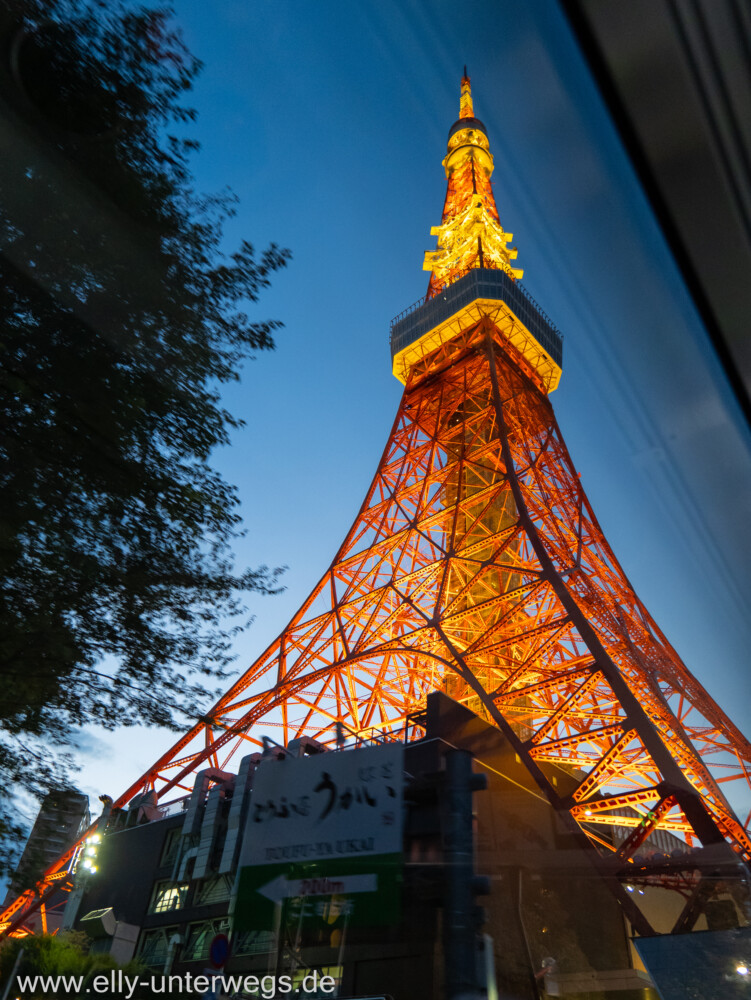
(478, 283)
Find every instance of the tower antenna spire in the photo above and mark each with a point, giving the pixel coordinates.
(465, 103)
(470, 234)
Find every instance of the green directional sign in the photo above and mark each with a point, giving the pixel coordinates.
(364, 891)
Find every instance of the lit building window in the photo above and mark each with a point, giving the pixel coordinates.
(332, 971)
(153, 946)
(254, 943)
(200, 937)
(212, 890)
(168, 896)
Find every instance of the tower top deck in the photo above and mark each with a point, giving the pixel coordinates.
(424, 326)
(471, 270)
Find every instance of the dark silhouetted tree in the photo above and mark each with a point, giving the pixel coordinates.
(121, 317)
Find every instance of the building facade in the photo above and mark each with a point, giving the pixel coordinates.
(550, 924)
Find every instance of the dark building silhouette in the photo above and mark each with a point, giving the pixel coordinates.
(62, 819)
(167, 882)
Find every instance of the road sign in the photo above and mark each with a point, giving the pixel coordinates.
(219, 950)
(282, 887)
(365, 891)
(324, 838)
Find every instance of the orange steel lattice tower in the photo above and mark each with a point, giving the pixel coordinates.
(476, 566)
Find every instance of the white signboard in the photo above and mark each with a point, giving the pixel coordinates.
(342, 804)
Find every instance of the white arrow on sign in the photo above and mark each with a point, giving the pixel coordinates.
(281, 888)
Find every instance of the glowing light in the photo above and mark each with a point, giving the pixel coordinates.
(466, 109)
(742, 969)
(472, 238)
(470, 234)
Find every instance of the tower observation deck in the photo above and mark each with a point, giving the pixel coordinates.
(420, 329)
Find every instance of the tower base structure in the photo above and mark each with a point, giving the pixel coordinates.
(471, 827)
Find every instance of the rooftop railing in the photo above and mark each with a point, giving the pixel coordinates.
(478, 283)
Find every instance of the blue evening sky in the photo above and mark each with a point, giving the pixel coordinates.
(329, 120)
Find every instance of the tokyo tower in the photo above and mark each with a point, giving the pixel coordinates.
(476, 566)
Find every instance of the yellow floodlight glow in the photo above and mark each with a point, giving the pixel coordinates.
(458, 241)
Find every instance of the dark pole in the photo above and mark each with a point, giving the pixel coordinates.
(461, 884)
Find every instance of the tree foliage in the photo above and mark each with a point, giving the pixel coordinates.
(122, 316)
(66, 955)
